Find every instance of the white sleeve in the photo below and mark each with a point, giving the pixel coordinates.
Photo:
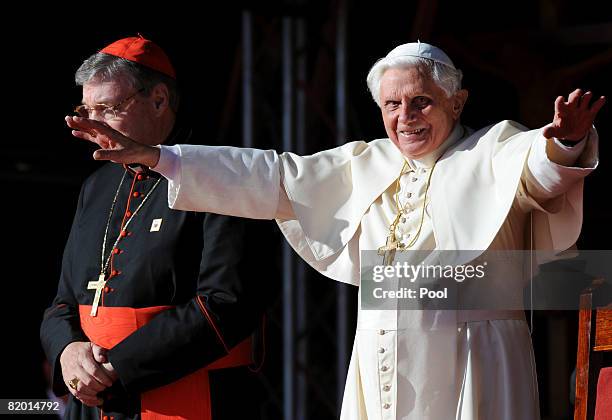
(564, 155)
(552, 168)
(168, 162)
(225, 180)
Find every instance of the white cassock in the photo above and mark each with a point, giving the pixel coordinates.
(332, 205)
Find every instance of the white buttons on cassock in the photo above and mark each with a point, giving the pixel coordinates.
(385, 355)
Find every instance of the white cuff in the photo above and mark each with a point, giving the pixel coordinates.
(562, 154)
(168, 164)
(553, 168)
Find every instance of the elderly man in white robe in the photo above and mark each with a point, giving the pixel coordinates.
(433, 184)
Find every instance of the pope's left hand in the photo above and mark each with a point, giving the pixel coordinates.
(114, 145)
(573, 119)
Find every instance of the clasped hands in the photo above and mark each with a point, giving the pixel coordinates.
(88, 363)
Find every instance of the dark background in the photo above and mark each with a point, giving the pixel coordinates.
(517, 57)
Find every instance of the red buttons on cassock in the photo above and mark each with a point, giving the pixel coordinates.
(140, 177)
(105, 418)
(136, 194)
(116, 251)
(106, 289)
(114, 273)
(128, 213)
(123, 233)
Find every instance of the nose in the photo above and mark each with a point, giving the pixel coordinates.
(407, 113)
(96, 115)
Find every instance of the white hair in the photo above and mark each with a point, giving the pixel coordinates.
(446, 77)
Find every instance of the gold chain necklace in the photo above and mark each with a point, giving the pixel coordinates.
(99, 285)
(389, 249)
(103, 265)
(110, 215)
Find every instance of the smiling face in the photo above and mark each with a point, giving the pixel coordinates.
(417, 114)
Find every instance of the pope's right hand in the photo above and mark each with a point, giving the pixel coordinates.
(114, 145)
(78, 362)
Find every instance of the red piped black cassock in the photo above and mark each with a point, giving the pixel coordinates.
(183, 298)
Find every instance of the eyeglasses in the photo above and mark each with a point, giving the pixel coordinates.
(108, 112)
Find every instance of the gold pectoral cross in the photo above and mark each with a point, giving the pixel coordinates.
(98, 286)
(388, 250)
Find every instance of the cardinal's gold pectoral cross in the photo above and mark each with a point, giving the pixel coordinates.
(388, 250)
(98, 286)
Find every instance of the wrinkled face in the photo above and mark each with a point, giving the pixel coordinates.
(136, 117)
(417, 114)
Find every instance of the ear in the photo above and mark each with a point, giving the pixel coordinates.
(459, 99)
(160, 99)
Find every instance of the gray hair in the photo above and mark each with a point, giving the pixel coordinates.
(446, 77)
(103, 67)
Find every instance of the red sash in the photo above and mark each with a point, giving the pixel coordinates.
(187, 398)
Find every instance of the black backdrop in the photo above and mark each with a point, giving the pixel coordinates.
(42, 166)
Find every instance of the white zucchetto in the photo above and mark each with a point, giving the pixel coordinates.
(423, 50)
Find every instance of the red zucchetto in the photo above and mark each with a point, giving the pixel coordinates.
(143, 52)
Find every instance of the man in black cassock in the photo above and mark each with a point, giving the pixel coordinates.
(150, 300)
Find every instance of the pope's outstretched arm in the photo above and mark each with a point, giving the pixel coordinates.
(252, 183)
(236, 181)
(567, 151)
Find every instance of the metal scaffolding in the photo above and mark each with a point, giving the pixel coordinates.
(305, 320)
